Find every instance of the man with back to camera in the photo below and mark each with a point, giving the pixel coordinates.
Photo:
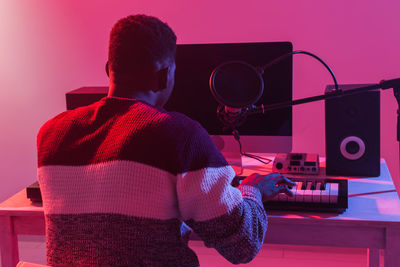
(121, 177)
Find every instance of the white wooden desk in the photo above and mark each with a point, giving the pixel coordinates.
(372, 221)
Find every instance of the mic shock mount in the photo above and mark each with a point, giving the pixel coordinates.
(234, 117)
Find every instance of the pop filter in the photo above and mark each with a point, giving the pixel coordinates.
(236, 84)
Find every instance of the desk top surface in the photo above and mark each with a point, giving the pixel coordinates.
(371, 200)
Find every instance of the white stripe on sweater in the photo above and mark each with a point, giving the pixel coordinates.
(136, 189)
(207, 193)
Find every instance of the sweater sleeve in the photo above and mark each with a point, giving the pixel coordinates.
(231, 220)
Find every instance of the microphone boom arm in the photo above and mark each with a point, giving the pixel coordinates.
(232, 120)
(382, 85)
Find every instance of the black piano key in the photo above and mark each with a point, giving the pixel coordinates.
(304, 186)
(313, 185)
(323, 185)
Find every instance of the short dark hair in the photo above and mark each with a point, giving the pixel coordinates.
(138, 42)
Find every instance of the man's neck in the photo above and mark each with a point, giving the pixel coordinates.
(125, 92)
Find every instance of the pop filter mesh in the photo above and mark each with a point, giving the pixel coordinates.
(236, 84)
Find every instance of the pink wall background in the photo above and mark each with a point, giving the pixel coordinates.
(50, 47)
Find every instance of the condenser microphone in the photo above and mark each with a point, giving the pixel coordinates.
(236, 85)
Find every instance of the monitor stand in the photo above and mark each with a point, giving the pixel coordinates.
(229, 147)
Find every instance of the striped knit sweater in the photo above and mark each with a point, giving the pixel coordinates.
(119, 180)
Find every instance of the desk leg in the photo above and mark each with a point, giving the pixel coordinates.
(392, 251)
(373, 257)
(8, 242)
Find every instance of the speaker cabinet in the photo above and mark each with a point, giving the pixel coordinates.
(352, 133)
(84, 96)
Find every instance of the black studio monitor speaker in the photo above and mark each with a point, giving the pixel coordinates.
(85, 96)
(352, 133)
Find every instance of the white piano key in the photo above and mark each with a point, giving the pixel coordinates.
(325, 194)
(334, 193)
(299, 193)
(308, 193)
(316, 194)
(293, 198)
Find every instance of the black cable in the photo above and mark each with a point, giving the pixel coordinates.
(259, 158)
(262, 69)
(236, 135)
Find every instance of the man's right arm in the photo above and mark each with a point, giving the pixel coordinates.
(231, 220)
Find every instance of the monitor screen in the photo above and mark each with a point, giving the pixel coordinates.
(269, 132)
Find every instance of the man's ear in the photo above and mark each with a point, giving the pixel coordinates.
(162, 78)
(108, 74)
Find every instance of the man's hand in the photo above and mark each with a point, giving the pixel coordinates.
(270, 185)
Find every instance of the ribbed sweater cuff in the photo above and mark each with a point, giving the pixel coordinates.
(251, 192)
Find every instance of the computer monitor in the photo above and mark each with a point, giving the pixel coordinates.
(269, 132)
